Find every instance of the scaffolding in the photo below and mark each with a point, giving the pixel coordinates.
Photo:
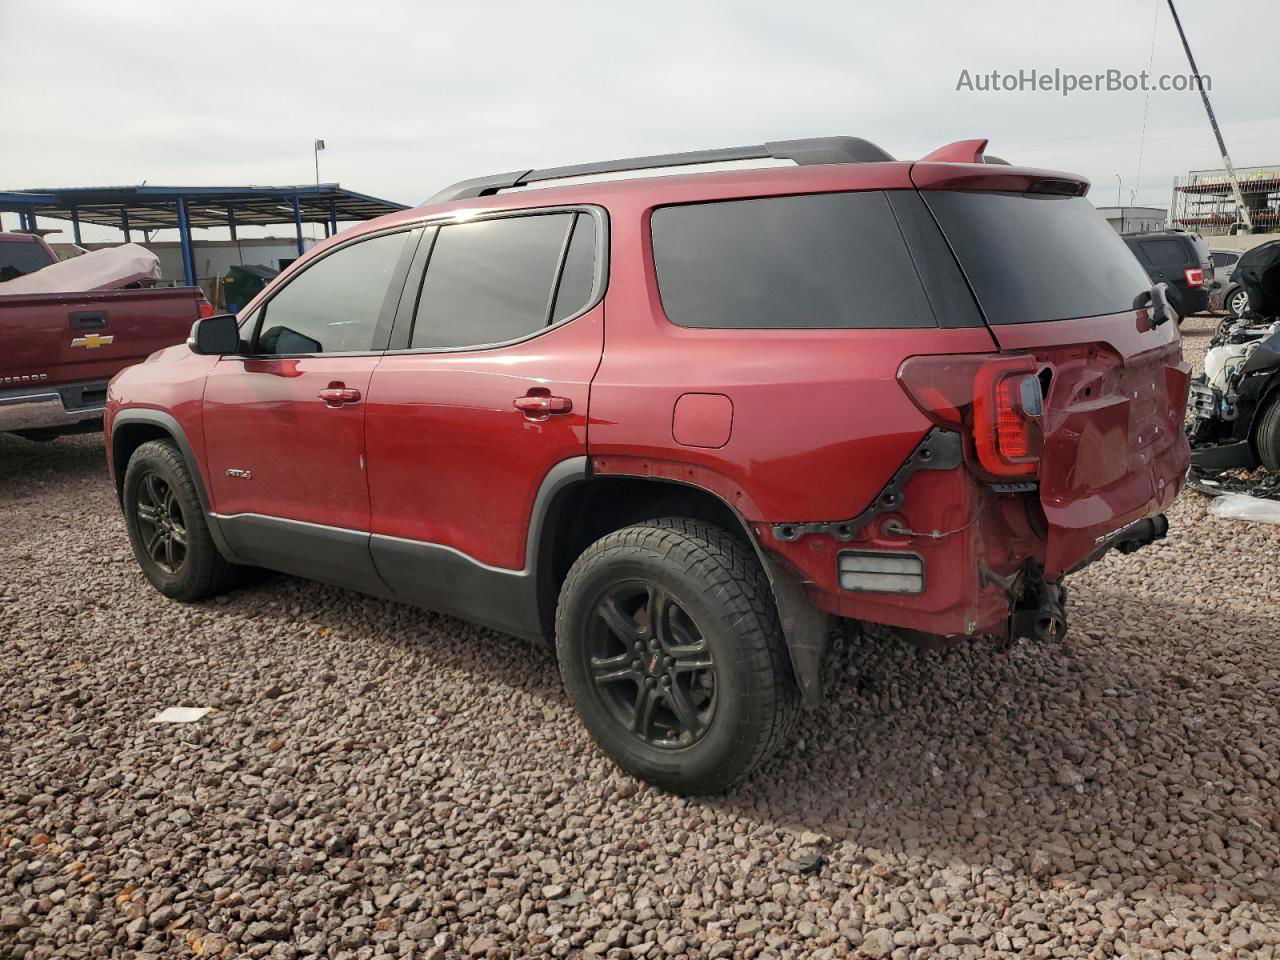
(1203, 200)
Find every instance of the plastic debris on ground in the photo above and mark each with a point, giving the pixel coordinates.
(1240, 506)
(180, 714)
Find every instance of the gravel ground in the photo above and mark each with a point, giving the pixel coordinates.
(378, 781)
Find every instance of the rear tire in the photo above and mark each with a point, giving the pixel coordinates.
(698, 700)
(1268, 435)
(167, 528)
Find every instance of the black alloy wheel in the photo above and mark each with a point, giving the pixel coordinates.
(161, 523)
(651, 666)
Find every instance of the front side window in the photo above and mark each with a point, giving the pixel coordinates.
(493, 281)
(335, 304)
(829, 260)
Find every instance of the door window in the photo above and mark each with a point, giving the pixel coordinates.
(492, 281)
(335, 304)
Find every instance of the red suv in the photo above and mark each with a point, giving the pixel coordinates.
(679, 423)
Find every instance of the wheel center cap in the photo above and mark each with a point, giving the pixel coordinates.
(652, 666)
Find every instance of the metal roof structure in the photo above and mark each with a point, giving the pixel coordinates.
(147, 207)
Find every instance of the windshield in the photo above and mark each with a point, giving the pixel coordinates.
(1031, 258)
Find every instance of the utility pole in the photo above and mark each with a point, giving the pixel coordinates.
(1213, 122)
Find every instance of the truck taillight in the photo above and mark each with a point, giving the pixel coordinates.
(204, 308)
(1195, 276)
(996, 400)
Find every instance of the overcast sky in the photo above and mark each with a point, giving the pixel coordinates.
(412, 96)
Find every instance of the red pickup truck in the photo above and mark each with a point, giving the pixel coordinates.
(58, 350)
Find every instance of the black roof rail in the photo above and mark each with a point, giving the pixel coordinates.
(814, 150)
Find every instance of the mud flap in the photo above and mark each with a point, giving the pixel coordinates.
(806, 629)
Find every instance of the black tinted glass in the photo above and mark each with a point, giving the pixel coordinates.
(578, 278)
(333, 306)
(1031, 258)
(18, 259)
(834, 260)
(1167, 253)
(489, 281)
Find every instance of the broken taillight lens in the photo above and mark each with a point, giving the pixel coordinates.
(996, 400)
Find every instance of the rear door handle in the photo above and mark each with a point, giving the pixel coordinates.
(335, 395)
(540, 405)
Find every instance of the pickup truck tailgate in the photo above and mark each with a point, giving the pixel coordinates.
(76, 337)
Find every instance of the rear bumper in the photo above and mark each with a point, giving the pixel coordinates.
(51, 407)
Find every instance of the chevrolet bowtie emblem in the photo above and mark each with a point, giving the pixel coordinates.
(92, 341)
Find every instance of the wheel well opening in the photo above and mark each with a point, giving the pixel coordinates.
(587, 511)
(127, 438)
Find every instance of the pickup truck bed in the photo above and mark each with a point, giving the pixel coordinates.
(57, 351)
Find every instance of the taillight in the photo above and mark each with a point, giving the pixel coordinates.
(1195, 276)
(997, 400)
(204, 308)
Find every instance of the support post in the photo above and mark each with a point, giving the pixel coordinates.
(297, 222)
(75, 225)
(124, 223)
(231, 223)
(184, 237)
(333, 217)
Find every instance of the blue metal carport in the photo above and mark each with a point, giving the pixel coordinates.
(187, 208)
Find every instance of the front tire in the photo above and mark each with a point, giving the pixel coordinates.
(1268, 435)
(671, 651)
(167, 528)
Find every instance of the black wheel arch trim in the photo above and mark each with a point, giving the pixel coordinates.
(169, 424)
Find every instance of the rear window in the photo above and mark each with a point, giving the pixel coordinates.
(17, 259)
(1032, 258)
(834, 260)
(1167, 253)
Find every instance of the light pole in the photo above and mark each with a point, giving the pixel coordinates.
(1119, 202)
(319, 145)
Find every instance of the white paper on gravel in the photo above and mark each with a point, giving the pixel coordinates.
(1241, 506)
(180, 714)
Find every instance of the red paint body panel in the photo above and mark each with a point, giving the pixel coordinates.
(36, 332)
(305, 456)
(452, 461)
(702, 420)
(1115, 450)
(786, 426)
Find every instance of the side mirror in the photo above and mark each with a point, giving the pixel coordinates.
(215, 336)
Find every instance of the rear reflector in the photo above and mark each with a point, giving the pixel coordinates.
(1195, 276)
(879, 572)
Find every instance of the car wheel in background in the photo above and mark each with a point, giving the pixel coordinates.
(670, 648)
(167, 528)
(1237, 302)
(1268, 436)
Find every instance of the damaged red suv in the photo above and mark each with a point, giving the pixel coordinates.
(678, 423)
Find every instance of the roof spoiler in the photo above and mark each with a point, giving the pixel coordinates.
(963, 151)
(815, 150)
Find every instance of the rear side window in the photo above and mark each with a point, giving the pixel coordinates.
(491, 281)
(832, 260)
(1221, 260)
(579, 275)
(335, 304)
(17, 259)
(1032, 257)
